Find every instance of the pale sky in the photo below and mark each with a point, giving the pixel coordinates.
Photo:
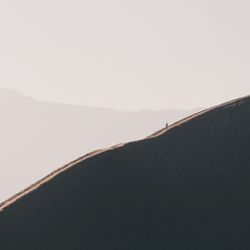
(126, 54)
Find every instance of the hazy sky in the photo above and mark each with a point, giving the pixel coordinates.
(126, 54)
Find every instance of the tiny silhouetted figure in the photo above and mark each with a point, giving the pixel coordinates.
(166, 125)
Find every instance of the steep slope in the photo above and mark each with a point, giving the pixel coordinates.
(183, 188)
(42, 136)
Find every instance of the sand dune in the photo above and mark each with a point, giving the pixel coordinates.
(185, 187)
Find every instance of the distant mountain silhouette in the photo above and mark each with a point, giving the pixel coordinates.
(184, 188)
(38, 137)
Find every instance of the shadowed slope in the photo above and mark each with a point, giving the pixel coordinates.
(185, 188)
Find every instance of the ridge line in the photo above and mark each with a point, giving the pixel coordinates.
(58, 171)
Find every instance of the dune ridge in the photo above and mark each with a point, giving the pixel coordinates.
(53, 174)
(184, 187)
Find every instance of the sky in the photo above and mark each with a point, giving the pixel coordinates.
(126, 54)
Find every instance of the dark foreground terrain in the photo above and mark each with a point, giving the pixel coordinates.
(188, 188)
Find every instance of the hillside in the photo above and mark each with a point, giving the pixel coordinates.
(39, 137)
(184, 188)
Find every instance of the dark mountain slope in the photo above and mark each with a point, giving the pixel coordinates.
(187, 188)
